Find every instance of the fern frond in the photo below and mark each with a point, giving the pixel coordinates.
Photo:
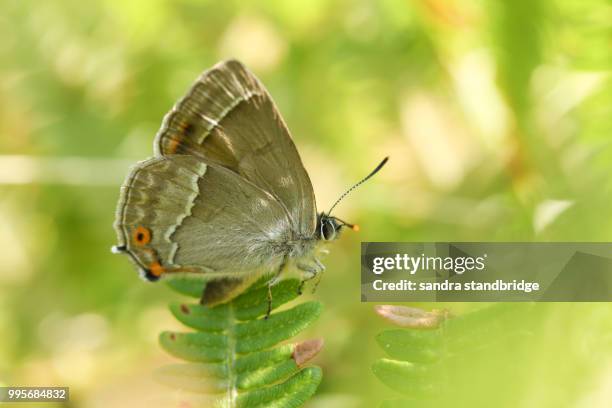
(444, 361)
(234, 357)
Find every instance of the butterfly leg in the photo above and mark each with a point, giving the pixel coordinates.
(319, 275)
(273, 282)
(311, 271)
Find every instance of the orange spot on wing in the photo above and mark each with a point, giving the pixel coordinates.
(156, 269)
(142, 235)
(185, 127)
(182, 130)
(173, 145)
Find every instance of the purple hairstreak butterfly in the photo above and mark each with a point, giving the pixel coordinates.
(226, 194)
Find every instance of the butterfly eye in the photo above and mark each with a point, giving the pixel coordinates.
(142, 235)
(328, 231)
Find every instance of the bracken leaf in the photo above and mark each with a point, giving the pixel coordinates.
(234, 356)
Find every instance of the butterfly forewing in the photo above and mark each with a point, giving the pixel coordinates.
(228, 118)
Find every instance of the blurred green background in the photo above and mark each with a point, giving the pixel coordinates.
(496, 115)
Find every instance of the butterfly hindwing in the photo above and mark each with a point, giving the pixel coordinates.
(155, 198)
(234, 225)
(220, 290)
(180, 214)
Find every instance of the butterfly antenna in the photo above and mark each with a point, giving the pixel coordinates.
(366, 178)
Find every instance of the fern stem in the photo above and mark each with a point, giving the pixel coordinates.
(232, 393)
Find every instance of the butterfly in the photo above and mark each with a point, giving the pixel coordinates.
(226, 194)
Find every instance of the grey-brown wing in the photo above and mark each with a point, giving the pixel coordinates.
(181, 214)
(229, 118)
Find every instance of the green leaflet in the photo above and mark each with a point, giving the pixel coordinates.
(234, 357)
